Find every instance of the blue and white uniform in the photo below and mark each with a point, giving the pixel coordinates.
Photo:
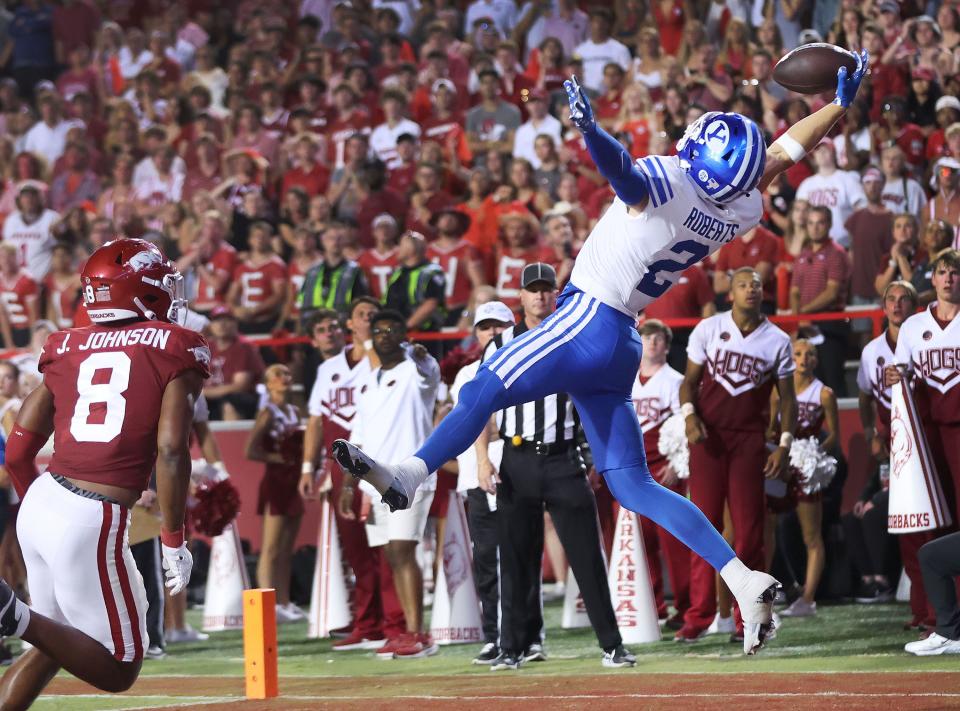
(590, 347)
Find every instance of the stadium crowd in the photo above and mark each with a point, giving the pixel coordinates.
(296, 158)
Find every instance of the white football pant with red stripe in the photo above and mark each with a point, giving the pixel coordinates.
(79, 567)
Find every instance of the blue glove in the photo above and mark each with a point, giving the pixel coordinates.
(847, 85)
(580, 112)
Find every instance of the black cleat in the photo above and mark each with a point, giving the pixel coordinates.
(350, 461)
(9, 619)
(396, 500)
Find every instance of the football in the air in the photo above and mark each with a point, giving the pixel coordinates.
(812, 68)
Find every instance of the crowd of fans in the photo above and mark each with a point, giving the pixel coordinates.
(292, 157)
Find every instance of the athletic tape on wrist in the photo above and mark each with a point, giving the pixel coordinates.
(786, 439)
(172, 539)
(791, 146)
(306, 468)
(687, 409)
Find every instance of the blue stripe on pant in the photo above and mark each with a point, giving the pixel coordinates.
(591, 351)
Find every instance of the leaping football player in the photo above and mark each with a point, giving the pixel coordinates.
(670, 212)
(118, 396)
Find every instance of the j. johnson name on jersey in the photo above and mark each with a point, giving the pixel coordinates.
(154, 337)
(710, 227)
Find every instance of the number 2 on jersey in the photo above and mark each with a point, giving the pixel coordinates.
(690, 251)
(108, 395)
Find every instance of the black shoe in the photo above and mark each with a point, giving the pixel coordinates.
(9, 619)
(674, 622)
(506, 660)
(488, 655)
(6, 656)
(534, 653)
(618, 657)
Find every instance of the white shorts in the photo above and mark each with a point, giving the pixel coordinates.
(384, 526)
(79, 567)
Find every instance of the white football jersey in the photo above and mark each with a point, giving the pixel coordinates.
(933, 353)
(876, 356)
(628, 261)
(739, 371)
(335, 393)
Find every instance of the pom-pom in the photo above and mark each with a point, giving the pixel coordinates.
(816, 467)
(455, 360)
(673, 445)
(217, 505)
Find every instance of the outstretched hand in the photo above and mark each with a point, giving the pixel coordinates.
(848, 84)
(581, 113)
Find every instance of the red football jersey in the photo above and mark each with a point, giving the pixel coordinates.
(64, 301)
(16, 296)
(256, 282)
(378, 267)
(107, 385)
(224, 260)
(453, 260)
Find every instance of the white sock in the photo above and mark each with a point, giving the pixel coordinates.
(23, 617)
(410, 474)
(735, 575)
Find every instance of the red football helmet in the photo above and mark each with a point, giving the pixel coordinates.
(130, 278)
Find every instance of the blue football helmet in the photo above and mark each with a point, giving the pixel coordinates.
(723, 154)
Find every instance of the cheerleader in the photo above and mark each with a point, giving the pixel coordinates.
(277, 440)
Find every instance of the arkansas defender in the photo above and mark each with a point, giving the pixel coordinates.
(656, 396)
(929, 348)
(118, 397)
(734, 360)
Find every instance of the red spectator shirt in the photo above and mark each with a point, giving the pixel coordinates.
(608, 107)
(314, 181)
(812, 270)
(448, 132)
(438, 201)
(685, 300)
(64, 301)
(509, 266)
(17, 295)
(378, 267)
(339, 130)
(376, 203)
(639, 131)
(257, 282)
(223, 261)
(400, 179)
(913, 144)
(763, 247)
(107, 385)
(241, 356)
(453, 261)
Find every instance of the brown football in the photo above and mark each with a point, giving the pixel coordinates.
(812, 68)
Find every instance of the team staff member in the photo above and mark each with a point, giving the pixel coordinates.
(377, 614)
(927, 348)
(490, 320)
(542, 467)
(394, 417)
(873, 549)
(333, 283)
(734, 359)
(656, 396)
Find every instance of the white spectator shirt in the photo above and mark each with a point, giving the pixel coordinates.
(526, 136)
(395, 413)
(904, 195)
(145, 172)
(49, 142)
(383, 139)
(34, 241)
(628, 261)
(876, 356)
(842, 192)
(502, 12)
(596, 56)
(406, 11)
(131, 65)
(861, 141)
(467, 460)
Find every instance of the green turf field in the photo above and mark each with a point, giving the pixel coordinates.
(844, 638)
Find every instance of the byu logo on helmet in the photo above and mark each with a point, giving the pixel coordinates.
(723, 155)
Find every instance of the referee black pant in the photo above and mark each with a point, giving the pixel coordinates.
(483, 533)
(147, 556)
(940, 563)
(530, 481)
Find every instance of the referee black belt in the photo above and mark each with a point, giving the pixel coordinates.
(540, 448)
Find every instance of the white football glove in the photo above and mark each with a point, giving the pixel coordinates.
(177, 564)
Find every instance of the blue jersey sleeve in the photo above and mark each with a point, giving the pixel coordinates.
(658, 180)
(616, 165)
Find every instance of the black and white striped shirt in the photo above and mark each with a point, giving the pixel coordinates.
(548, 420)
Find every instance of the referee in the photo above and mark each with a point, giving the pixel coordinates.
(542, 467)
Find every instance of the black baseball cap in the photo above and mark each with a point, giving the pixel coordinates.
(538, 271)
